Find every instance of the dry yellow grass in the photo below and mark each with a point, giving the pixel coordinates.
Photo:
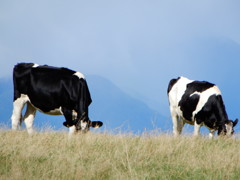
(52, 155)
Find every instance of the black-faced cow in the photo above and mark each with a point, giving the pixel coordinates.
(54, 91)
(198, 103)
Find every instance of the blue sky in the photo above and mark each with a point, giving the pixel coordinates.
(139, 45)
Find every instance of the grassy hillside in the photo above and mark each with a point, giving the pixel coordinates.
(52, 155)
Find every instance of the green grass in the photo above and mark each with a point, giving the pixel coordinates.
(52, 155)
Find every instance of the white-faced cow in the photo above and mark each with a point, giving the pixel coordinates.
(198, 103)
(54, 91)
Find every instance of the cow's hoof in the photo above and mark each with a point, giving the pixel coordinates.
(66, 124)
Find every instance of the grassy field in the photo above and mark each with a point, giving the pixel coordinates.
(52, 155)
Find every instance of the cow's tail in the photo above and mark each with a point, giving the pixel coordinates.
(20, 71)
(171, 84)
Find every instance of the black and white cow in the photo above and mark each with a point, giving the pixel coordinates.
(198, 103)
(54, 91)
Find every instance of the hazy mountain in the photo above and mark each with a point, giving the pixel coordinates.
(6, 96)
(116, 109)
(119, 110)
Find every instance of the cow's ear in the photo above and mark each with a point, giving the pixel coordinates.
(235, 122)
(96, 124)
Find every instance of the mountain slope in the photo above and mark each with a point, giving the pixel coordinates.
(117, 109)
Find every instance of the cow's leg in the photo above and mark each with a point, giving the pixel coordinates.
(16, 118)
(175, 120)
(196, 129)
(72, 130)
(29, 118)
(68, 114)
(180, 125)
(211, 134)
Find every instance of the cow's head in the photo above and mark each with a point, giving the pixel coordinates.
(83, 125)
(228, 128)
